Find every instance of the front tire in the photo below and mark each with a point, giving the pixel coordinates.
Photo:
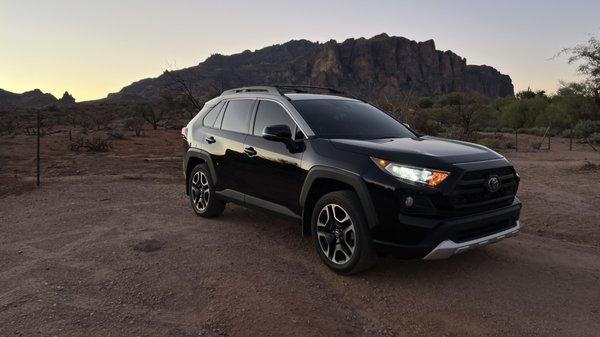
(202, 193)
(341, 234)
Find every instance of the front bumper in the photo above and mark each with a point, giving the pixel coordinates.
(448, 247)
(441, 238)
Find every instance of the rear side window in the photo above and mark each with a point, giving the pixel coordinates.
(237, 115)
(211, 116)
(271, 113)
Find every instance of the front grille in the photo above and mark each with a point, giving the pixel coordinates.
(471, 194)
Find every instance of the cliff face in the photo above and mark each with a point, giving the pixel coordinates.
(370, 68)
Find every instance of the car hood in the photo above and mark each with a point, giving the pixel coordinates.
(431, 152)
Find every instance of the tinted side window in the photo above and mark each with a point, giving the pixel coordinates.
(211, 116)
(219, 120)
(271, 113)
(237, 115)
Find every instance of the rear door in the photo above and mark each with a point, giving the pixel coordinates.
(275, 171)
(225, 143)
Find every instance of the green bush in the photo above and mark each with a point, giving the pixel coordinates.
(586, 128)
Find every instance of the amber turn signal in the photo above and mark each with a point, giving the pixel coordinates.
(437, 178)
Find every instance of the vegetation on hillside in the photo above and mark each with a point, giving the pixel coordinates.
(573, 111)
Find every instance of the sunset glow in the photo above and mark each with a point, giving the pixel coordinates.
(93, 48)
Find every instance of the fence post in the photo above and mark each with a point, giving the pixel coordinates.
(516, 140)
(38, 148)
(571, 141)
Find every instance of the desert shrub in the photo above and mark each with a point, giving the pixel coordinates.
(585, 128)
(430, 127)
(468, 111)
(536, 145)
(510, 146)
(136, 125)
(116, 134)
(536, 131)
(76, 144)
(456, 132)
(172, 125)
(589, 166)
(493, 143)
(8, 123)
(95, 144)
(568, 133)
(32, 131)
(490, 129)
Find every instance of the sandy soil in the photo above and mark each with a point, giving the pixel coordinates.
(68, 266)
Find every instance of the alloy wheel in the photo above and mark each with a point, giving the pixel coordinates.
(336, 234)
(200, 191)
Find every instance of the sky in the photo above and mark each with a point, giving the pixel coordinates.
(92, 48)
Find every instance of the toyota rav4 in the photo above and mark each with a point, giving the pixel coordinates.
(361, 183)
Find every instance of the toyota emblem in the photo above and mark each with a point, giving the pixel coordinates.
(493, 184)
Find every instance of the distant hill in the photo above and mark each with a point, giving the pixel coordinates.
(380, 66)
(32, 99)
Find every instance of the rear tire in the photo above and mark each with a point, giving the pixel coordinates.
(341, 234)
(202, 193)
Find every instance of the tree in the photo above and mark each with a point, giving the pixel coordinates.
(425, 103)
(135, 124)
(587, 55)
(402, 109)
(525, 94)
(586, 128)
(464, 109)
(571, 103)
(151, 114)
(185, 88)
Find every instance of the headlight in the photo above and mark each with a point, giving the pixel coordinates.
(413, 174)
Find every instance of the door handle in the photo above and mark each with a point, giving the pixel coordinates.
(210, 139)
(250, 151)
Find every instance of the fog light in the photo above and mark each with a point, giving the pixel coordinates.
(408, 201)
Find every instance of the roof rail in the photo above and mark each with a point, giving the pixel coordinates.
(270, 90)
(283, 89)
(308, 88)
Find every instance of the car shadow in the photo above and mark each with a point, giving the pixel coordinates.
(488, 259)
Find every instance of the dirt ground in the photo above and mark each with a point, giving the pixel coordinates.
(69, 267)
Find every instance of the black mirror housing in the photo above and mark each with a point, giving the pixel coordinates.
(279, 133)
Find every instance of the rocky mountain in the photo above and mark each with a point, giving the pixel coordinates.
(66, 99)
(33, 99)
(30, 99)
(371, 68)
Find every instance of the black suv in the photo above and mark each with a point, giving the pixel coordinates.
(360, 182)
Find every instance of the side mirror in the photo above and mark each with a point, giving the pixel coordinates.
(278, 133)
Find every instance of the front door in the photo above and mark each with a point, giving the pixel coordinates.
(276, 171)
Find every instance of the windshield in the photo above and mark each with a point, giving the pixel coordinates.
(335, 118)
